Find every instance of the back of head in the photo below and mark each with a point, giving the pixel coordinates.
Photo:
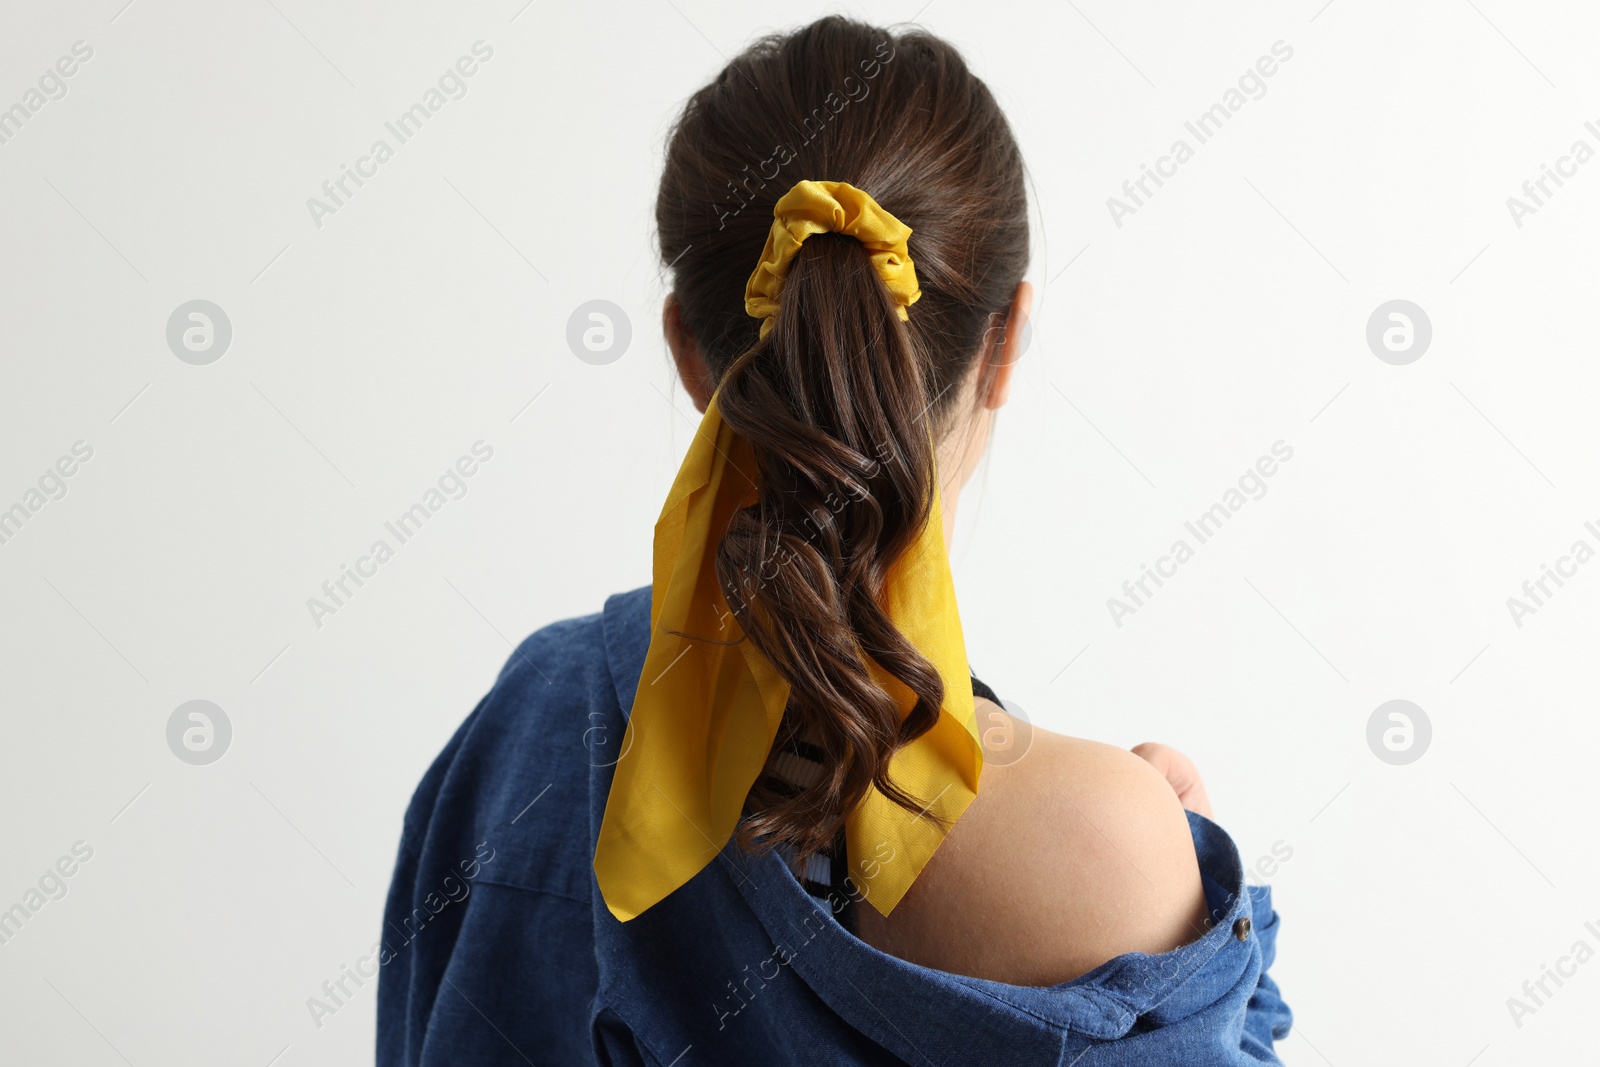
(842, 401)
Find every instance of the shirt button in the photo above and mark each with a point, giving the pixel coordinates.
(1241, 929)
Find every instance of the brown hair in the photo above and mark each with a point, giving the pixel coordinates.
(842, 401)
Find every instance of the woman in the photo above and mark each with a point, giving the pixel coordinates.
(748, 815)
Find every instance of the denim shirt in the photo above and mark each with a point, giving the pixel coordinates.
(497, 948)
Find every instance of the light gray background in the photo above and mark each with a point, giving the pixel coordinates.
(430, 313)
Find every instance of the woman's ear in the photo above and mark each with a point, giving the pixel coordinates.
(692, 369)
(1005, 355)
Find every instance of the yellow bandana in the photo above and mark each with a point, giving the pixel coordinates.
(709, 704)
(830, 207)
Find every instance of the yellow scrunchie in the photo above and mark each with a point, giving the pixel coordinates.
(709, 704)
(830, 207)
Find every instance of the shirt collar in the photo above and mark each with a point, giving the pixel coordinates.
(971, 1020)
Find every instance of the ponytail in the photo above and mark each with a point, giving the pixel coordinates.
(841, 400)
(834, 403)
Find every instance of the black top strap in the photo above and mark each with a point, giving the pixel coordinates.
(981, 690)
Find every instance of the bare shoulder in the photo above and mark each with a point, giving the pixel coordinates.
(1073, 854)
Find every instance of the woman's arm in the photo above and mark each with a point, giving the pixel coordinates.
(1070, 856)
